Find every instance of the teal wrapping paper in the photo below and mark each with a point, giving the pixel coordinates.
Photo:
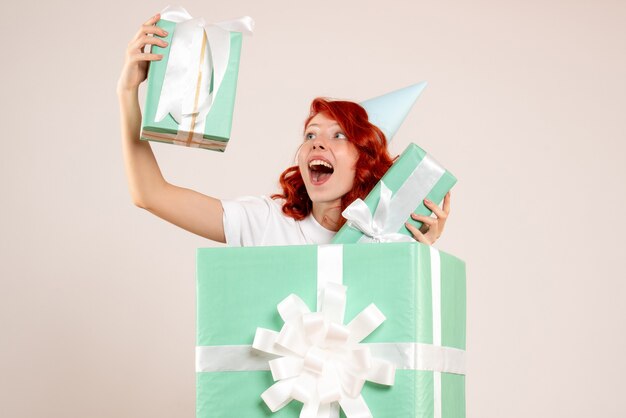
(238, 290)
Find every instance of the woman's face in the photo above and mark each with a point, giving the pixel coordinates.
(326, 160)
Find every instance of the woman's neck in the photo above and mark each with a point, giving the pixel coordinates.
(328, 214)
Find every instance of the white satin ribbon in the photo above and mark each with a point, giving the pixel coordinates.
(393, 211)
(405, 356)
(435, 277)
(198, 52)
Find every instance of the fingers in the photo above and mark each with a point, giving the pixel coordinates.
(148, 40)
(436, 209)
(146, 57)
(136, 49)
(145, 36)
(417, 234)
(446, 203)
(433, 226)
(425, 219)
(149, 28)
(430, 225)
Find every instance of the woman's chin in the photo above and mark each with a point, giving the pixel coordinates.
(325, 197)
(326, 193)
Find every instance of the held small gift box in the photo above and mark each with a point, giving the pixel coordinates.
(191, 92)
(263, 351)
(414, 176)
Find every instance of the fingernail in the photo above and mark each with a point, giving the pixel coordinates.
(427, 201)
(164, 32)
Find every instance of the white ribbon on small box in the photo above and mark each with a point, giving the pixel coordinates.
(198, 52)
(332, 367)
(393, 211)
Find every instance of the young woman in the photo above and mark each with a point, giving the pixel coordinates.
(341, 158)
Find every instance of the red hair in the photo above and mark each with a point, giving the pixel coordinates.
(373, 162)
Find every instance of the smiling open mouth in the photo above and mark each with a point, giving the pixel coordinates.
(320, 171)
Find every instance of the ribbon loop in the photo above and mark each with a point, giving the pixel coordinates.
(355, 407)
(365, 323)
(278, 395)
(351, 383)
(292, 307)
(382, 372)
(314, 325)
(292, 338)
(360, 217)
(285, 367)
(265, 340)
(314, 360)
(375, 228)
(304, 388)
(362, 357)
(310, 410)
(329, 390)
(336, 335)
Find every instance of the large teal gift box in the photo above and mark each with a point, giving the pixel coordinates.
(420, 291)
(191, 92)
(380, 217)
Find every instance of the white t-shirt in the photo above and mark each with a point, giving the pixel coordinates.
(254, 221)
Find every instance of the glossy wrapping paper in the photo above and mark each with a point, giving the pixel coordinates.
(215, 132)
(238, 290)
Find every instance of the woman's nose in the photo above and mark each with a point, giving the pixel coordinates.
(318, 143)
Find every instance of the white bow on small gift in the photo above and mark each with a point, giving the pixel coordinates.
(377, 227)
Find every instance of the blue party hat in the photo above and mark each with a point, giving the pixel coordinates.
(388, 111)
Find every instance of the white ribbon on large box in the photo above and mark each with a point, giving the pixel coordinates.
(198, 53)
(305, 371)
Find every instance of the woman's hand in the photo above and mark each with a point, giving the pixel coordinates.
(136, 64)
(432, 227)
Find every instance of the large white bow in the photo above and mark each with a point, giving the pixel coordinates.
(321, 360)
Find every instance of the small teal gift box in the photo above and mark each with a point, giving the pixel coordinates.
(191, 92)
(414, 293)
(381, 216)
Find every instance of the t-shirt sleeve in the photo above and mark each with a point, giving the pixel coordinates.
(245, 220)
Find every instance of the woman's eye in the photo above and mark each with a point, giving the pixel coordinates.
(309, 135)
(340, 135)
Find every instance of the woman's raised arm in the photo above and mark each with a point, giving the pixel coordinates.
(183, 207)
